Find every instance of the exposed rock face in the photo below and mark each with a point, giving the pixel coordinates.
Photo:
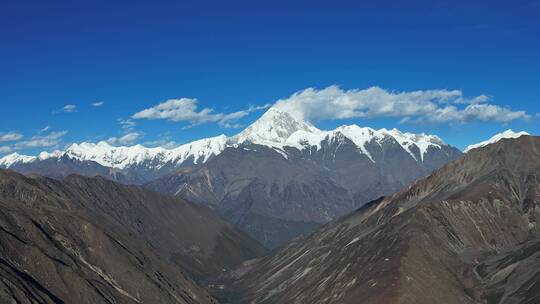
(90, 240)
(468, 233)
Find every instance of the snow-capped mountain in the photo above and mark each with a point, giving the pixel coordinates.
(15, 158)
(495, 138)
(275, 129)
(279, 177)
(282, 176)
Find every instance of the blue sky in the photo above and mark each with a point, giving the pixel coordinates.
(234, 55)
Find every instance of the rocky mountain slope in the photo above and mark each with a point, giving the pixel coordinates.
(468, 233)
(90, 240)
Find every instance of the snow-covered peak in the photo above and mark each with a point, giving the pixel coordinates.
(201, 150)
(273, 129)
(15, 158)
(358, 135)
(495, 138)
(409, 140)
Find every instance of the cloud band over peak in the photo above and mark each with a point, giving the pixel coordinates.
(437, 106)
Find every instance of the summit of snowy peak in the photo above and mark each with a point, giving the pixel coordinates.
(409, 140)
(413, 138)
(359, 135)
(273, 128)
(201, 150)
(495, 138)
(15, 158)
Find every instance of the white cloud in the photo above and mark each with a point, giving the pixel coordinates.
(69, 108)
(39, 141)
(481, 112)
(127, 124)
(186, 110)
(98, 104)
(429, 105)
(45, 129)
(5, 149)
(125, 140)
(10, 136)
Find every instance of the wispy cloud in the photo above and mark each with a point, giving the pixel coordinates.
(125, 140)
(70, 108)
(186, 110)
(5, 149)
(98, 104)
(126, 124)
(41, 141)
(44, 129)
(10, 136)
(437, 106)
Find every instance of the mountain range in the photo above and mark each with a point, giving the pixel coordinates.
(466, 225)
(278, 178)
(276, 129)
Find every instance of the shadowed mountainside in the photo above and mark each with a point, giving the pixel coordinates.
(90, 240)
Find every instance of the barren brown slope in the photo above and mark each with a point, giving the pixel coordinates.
(90, 240)
(440, 240)
(191, 235)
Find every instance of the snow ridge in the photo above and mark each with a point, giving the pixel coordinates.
(495, 138)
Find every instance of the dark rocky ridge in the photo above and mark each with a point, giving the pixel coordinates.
(468, 233)
(90, 240)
